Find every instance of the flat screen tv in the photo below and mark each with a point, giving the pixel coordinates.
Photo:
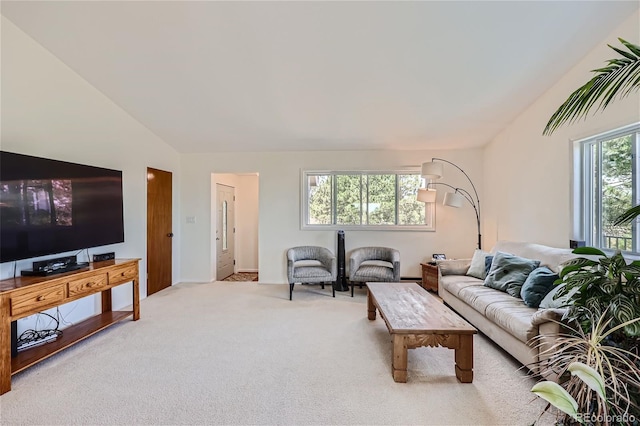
(49, 206)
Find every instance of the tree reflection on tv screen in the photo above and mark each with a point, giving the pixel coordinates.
(36, 203)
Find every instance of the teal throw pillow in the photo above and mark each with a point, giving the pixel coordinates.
(537, 285)
(487, 265)
(508, 272)
(477, 269)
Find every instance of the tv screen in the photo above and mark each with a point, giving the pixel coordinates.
(49, 206)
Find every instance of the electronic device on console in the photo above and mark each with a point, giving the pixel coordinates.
(59, 265)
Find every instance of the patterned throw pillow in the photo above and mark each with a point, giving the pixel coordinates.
(508, 272)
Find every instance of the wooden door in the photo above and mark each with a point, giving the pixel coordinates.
(159, 230)
(225, 231)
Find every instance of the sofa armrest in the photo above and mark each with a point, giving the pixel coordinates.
(542, 316)
(453, 267)
(550, 329)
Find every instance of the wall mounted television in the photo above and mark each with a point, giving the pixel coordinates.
(49, 206)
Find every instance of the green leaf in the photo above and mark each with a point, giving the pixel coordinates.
(633, 268)
(632, 47)
(619, 78)
(622, 308)
(632, 329)
(627, 216)
(589, 376)
(589, 251)
(557, 396)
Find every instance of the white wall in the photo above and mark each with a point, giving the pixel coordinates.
(247, 219)
(279, 207)
(49, 111)
(528, 176)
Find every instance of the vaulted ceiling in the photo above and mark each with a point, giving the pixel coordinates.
(272, 76)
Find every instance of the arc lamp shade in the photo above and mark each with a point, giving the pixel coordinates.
(427, 195)
(453, 199)
(432, 170)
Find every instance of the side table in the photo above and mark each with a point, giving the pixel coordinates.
(430, 277)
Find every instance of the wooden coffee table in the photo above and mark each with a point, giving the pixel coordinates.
(416, 318)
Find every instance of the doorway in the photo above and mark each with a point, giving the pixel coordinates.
(225, 231)
(159, 230)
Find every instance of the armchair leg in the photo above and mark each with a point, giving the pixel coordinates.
(333, 289)
(353, 285)
(290, 291)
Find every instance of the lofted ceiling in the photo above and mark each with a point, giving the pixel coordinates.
(273, 76)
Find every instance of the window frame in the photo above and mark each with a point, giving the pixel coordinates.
(430, 210)
(587, 213)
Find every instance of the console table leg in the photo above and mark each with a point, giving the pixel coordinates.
(136, 299)
(464, 358)
(399, 363)
(5, 346)
(371, 308)
(106, 300)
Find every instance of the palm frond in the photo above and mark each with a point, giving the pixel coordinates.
(619, 78)
(627, 216)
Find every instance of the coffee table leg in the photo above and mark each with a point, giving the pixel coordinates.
(371, 308)
(399, 363)
(464, 358)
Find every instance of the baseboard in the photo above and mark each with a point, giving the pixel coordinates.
(246, 270)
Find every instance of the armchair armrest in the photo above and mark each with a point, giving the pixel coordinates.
(355, 259)
(328, 260)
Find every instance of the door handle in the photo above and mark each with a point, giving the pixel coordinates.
(170, 234)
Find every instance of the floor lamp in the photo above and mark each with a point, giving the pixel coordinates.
(434, 170)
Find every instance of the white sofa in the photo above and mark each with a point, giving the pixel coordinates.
(503, 318)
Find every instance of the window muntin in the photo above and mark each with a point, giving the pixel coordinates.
(364, 200)
(609, 178)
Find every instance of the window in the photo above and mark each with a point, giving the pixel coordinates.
(225, 233)
(364, 200)
(608, 184)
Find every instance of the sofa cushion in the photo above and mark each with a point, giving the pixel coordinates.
(480, 297)
(508, 272)
(537, 285)
(454, 283)
(477, 267)
(508, 312)
(514, 317)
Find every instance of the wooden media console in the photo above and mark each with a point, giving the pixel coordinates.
(24, 296)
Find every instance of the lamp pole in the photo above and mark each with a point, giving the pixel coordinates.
(466, 194)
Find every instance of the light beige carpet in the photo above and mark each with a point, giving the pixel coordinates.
(242, 353)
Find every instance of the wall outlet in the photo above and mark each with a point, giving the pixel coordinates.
(191, 219)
